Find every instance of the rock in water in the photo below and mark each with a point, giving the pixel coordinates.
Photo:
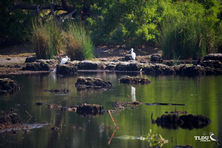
(30, 59)
(156, 58)
(94, 83)
(134, 80)
(7, 86)
(37, 66)
(89, 109)
(66, 69)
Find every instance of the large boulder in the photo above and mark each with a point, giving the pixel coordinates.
(212, 63)
(156, 58)
(128, 66)
(128, 57)
(134, 80)
(158, 69)
(7, 86)
(92, 83)
(90, 65)
(66, 69)
(110, 66)
(37, 66)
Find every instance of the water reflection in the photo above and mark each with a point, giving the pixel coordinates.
(133, 94)
(79, 131)
(174, 121)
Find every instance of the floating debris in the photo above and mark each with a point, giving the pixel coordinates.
(63, 91)
(8, 86)
(174, 121)
(183, 146)
(174, 104)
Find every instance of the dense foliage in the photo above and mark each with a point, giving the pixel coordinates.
(182, 29)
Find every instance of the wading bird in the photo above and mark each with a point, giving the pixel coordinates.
(64, 60)
(133, 54)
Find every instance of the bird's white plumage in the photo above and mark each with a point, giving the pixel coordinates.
(64, 60)
(133, 54)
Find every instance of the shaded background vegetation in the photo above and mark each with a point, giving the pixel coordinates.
(182, 29)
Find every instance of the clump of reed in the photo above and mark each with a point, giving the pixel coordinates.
(50, 39)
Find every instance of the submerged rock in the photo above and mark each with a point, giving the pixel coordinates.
(94, 83)
(189, 70)
(37, 66)
(7, 86)
(134, 80)
(66, 69)
(158, 69)
(89, 109)
(174, 121)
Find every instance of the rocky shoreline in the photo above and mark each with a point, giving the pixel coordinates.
(210, 65)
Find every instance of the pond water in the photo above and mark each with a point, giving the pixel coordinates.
(201, 96)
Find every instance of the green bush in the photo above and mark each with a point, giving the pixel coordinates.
(186, 32)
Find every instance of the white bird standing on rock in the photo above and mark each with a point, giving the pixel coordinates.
(133, 54)
(64, 60)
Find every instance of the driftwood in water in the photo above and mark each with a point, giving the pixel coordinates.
(151, 104)
(174, 121)
(11, 122)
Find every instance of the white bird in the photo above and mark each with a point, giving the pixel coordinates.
(133, 54)
(64, 60)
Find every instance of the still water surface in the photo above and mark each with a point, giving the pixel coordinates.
(201, 95)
